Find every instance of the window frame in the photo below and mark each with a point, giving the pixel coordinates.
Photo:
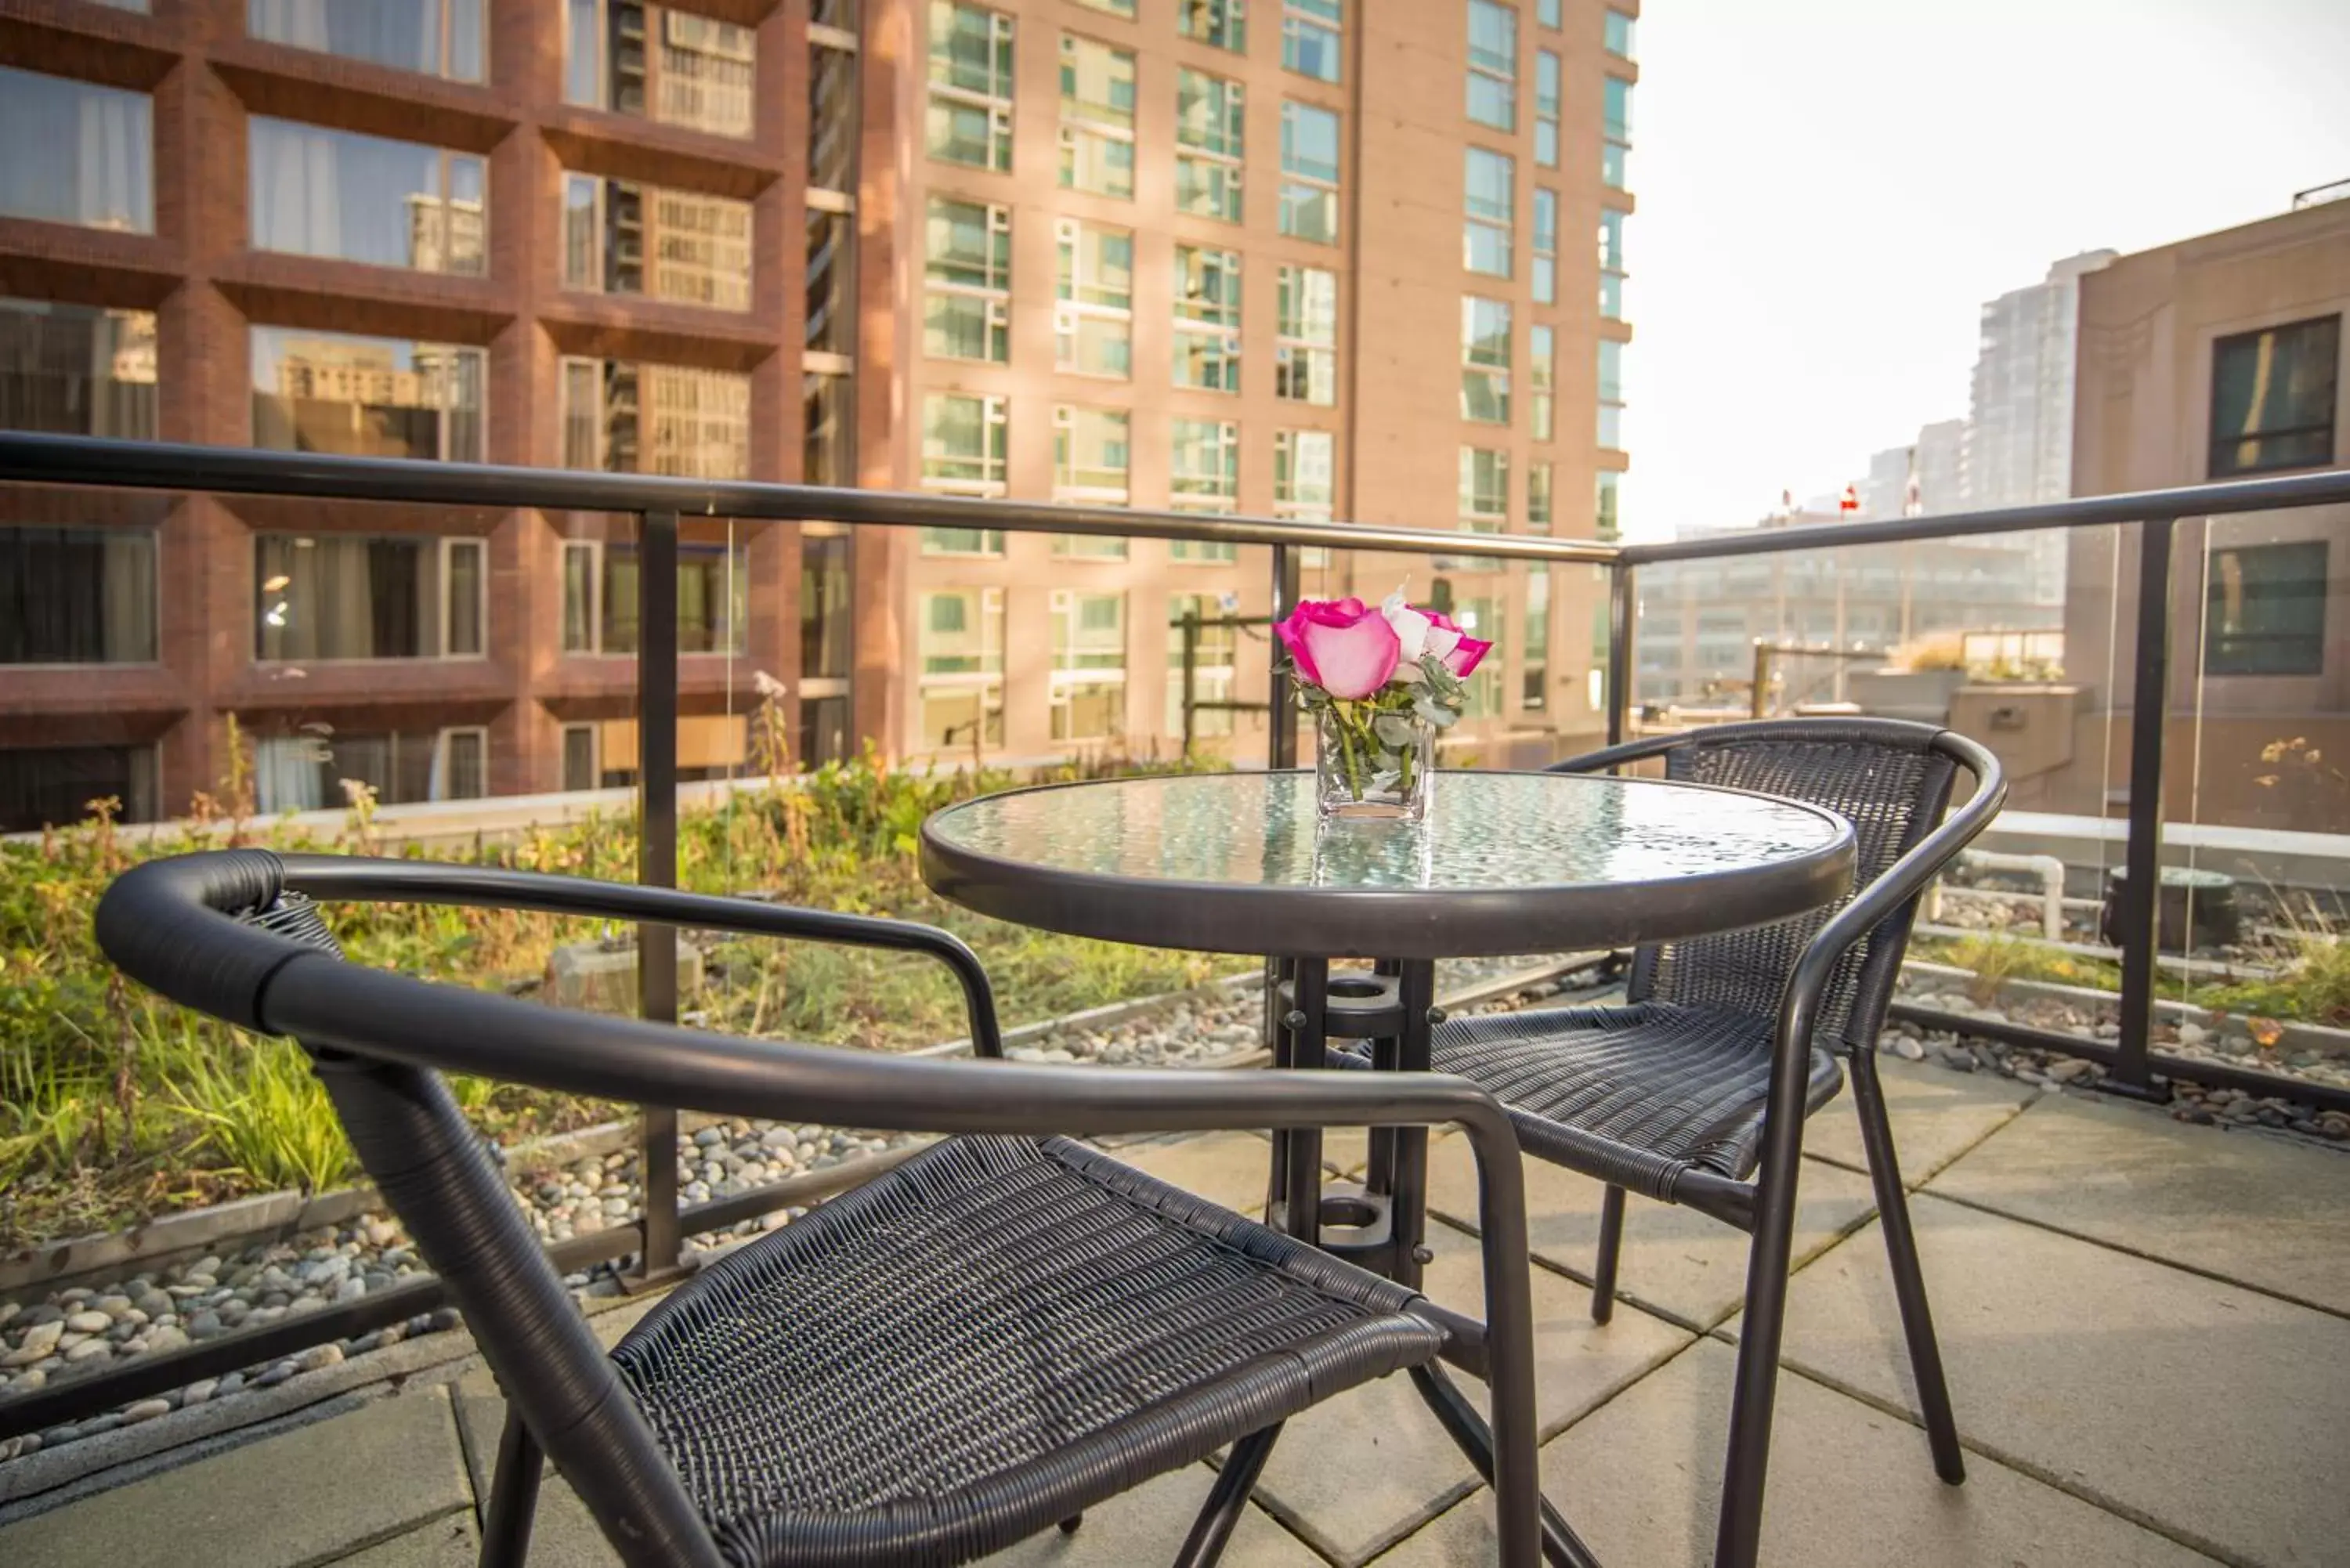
(2307, 562)
(1073, 279)
(1198, 321)
(1478, 363)
(1499, 77)
(1303, 186)
(2325, 426)
(1299, 354)
(991, 293)
(1063, 681)
(1080, 126)
(939, 87)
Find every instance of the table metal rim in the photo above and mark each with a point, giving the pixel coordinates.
(1483, 921)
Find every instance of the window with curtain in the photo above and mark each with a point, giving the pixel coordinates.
(673, 66)
(714, 597)
(356, 595)
(75, 152)
(2265, 609)
(76, 596)
(2272, 396)
(305, 771)
(320, 192)
(365, 397)
(76, 369)
(438, 37)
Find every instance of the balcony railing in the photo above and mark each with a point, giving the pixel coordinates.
(658, 506)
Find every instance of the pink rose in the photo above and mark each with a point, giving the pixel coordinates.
(1343, 646)
(1461, 653)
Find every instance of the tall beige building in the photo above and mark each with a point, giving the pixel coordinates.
(1309, 258)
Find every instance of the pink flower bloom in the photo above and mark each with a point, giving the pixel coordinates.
(1343, 646)
(1459, 652)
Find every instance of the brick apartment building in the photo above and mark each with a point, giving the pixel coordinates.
(1169, 253)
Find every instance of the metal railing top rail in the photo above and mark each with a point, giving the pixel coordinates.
(161, 465)
(2327, 488)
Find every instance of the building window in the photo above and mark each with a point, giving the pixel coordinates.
(52, 786)
(1097, 117)
(1611, 264)
(958, 635)
(1223, 24)
(1091, 459)
(830, 318)
(1205, 476)
(697, 72)
(1110, 8)
(1618, 33)
(1089, 666)
(308, 770)
(823, 730)
(1485, 361)
(1489, 183)
(602, 603)
(1481, 617)
(367, 397)
(827, 444)
(1541, 378)
(2265, 613)
(695, 247)
(1093, 291)
(1310, 37)
(356, 595)
(1545, 246)
(1484, 490)
(1619, 127)
(76, 369)
(319, 192)
(582, 769)
(1604, 518)
(1309, 172)
(964, 439)
(1214, 645)
(627, 416)
(1207, 318)
(1533, 668)
(1494, 64)
(833, 125)
(1611, 394)
(437, 38)
(2272, 398)
(969, 118)
(1539, 511)
(826, 650)
(1546, 13)
(1547, 97)
(76, 152)
(1305, 357)
(1210, 144)
(967, 299)
(76, 596)
(1304, 474)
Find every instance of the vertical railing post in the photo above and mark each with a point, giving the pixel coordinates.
(1190, 677)
(2140, 909)
(1623, 608)
(657, 858)
(1282, 743)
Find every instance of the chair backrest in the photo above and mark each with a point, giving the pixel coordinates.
(431, 1168)
(1889, 779)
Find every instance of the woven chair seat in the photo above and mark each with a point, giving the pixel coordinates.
(1635, 1094)
(989, 1339)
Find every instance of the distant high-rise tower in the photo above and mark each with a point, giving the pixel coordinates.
(2019, 445)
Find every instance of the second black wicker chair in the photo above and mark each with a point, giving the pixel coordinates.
(997, 1334)
(1695, 1090)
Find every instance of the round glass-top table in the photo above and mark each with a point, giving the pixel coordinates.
(1504, 863)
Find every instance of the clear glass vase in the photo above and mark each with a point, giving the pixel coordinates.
(1375, 763)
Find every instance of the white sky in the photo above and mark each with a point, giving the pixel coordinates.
(1829, 188)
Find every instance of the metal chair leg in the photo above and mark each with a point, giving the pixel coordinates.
(1562, 1548)
(1908, 1279)
(1226, 1499)
(513, 1497)
(1611, 1244)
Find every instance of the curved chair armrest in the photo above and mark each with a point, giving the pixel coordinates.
(330, 877)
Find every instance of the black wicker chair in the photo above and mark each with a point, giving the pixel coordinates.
(998, 1333)
(1724, 1045)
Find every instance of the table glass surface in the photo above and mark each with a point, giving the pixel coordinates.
(1484, 831)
